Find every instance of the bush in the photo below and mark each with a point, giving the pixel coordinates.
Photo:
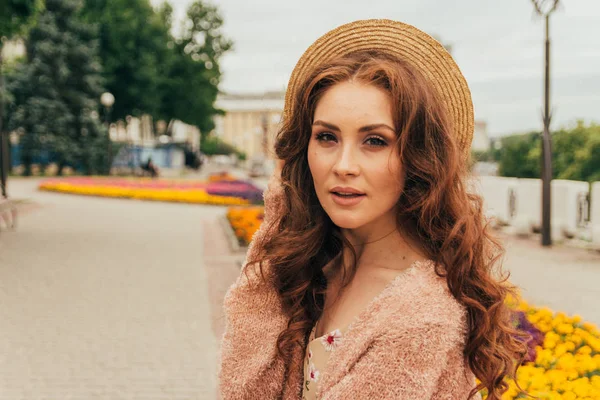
(575, 154)
(213, 146)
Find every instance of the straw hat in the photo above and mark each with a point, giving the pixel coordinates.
(403, 41)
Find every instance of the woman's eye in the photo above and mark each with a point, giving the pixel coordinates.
(377, 142)
(325, 137)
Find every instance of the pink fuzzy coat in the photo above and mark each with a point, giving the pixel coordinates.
(407, 344)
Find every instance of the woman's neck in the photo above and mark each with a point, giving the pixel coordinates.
(386, 253)
(383, 258)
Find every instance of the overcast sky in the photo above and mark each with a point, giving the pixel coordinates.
(497, 44)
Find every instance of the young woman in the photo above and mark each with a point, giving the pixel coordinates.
(372, 275)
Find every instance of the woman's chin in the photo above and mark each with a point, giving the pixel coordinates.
(346, 222)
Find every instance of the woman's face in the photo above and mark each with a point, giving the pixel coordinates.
(353, 158)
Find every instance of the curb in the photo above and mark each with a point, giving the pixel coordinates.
(234, 244)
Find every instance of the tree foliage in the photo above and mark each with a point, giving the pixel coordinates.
(150, 71)
(520, 156)
(212, 146)
(194, 72)
(79, 48)
(16, 16)
(57, 90)
(133, 49)
(575, 154)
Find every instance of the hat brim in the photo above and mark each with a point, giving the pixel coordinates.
(407, 43)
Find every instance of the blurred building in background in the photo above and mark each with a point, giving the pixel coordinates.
(251, 122)
(140, 131)
(137, 131)
(481, 140)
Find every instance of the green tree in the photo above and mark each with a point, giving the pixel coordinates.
(150, 71)
(134, 42)
(520, 156)
(575, 154)
(194, 74)
(212, 145)
(589, 158)
(56, 92)
(15, 17)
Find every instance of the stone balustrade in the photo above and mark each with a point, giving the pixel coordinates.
(518, 203)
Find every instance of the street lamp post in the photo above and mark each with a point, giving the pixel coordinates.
(544, 8)
(4, 165)
(107, 100)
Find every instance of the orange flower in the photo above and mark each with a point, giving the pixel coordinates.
(245, 221)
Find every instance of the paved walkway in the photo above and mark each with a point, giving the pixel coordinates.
(105, 299)
(562, 278)
(120, 299)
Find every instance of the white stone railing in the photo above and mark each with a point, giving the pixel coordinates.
(595, 214)
(499, 195)
(518, 203)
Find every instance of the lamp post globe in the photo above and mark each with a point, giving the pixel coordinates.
(545, 7)
(107, 99)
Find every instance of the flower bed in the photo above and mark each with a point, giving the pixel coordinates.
(220, 177)
(216, 192)
(245, 221)
(564, 357)
(240, 189)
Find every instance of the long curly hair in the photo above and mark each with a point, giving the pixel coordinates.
(436, 204)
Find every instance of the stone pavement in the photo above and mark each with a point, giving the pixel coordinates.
(562, 278)
(105, 299)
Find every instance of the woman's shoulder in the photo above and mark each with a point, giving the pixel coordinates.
(418, 298)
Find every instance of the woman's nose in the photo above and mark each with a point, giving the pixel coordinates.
(346, 162)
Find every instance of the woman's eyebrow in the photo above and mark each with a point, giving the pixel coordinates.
(326, 125)
(365, 128)
(368, 128)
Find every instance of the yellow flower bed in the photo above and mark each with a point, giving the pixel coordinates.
(196, 196)
(567, 365)
(245, 221)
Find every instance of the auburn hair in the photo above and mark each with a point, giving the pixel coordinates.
(444, 216)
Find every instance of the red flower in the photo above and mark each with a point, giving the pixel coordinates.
(331, 340)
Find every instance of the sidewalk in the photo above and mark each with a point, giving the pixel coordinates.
(563, 278)
(106, 299)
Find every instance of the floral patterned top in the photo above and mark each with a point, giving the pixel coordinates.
(315, 359)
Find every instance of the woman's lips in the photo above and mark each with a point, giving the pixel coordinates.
(350, 200)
